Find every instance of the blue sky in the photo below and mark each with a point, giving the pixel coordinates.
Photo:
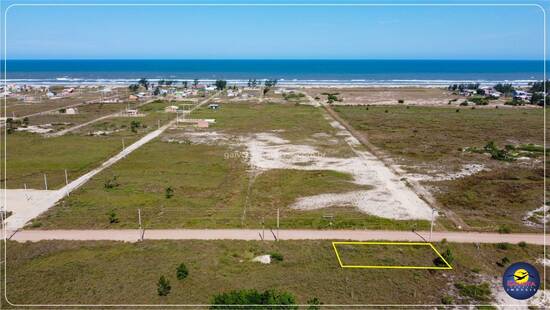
(273, 32)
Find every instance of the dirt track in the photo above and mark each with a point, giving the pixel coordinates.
(133, 235)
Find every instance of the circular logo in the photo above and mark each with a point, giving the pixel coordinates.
(521, 280)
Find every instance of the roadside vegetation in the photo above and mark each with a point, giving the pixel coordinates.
(222, 271)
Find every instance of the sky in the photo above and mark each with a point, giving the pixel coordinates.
(272, 32)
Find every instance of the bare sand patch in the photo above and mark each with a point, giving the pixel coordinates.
(466, 170)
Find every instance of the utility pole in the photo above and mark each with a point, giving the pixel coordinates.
(432, 225)
(45, 181)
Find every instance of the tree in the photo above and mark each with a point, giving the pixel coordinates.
(143, 82)
(184, 83)
(163, 286)
(220, 84)
(195, 82)
(26, 121)
(270, 83)
(156, 92)
(506, 89)
(447, 255)
(161, 82)
(182, 272)
(134, 125)
(133, 87)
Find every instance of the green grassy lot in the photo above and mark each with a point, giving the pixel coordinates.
(296, 123)
(29, 156)
(70, 272)
(424, 139)
(210, 190)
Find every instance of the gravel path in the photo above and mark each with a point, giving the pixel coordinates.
(133, 235)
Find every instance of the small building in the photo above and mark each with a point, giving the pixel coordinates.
(133, 98)
(71, 111)
(213, 106)
(171, 109)
(132, 112)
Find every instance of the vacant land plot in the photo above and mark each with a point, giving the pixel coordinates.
(30, 156)
(431, 145)
(124, 273)
(225, 176)
(19, 108)
(385, 95)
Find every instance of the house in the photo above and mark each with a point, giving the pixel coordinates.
(521, 95)
(132, 112)
(213, 106)
(71, 111)
(133, 98)
(171, 109)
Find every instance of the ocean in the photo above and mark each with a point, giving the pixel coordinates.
(287, 72)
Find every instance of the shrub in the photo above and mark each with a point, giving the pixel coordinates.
(134, 125)
(182, 272)
(503, 229)
(447, 300)
(314, 304)
(503, 246)
(168, 192)
(277, 256)
(113, 219)
(480, 100)
(163, 286)
(522, 244)
(503, 262)
(253, 297)
(464, 103)
(111, 183)
(447, 255)
(400, 101)
(480, 292)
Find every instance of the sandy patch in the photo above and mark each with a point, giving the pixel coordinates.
(262, 259)
(466, 170)
(389, 198)
(536, 218)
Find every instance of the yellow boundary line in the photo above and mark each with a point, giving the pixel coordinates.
(334, 243)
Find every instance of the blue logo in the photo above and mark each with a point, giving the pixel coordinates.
(521, 280)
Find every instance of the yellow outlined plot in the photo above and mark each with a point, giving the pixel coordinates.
(428, 244)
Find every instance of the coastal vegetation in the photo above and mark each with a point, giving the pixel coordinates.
(87, 272)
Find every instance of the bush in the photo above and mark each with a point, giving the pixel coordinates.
(522, 244)
(447, 300)
(503, 262)
(503, 246)
(481, 292)
(447, 255)
(314, 304)
(480, 100)
(168, 192)
(464, 103)
(163, 286)
(276, 256)
(400, 101)
(503, 229)
(253, 297)
(182, 272)
(111, 183)
(113, 219)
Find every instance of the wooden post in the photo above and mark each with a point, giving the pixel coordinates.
(140, 227)
(66, 178)
(432, 225)
(263, 228)
(277, 223)
(123, 144)
(45, 181)
(158, 123)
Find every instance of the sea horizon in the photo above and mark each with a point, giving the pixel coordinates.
(300, 72)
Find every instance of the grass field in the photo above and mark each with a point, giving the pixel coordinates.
(70, 272)
(211, 189)
(30, 156)
(430, 140)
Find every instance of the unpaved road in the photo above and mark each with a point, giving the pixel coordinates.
(133, 235)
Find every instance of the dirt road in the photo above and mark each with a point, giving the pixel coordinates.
(133, 235)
